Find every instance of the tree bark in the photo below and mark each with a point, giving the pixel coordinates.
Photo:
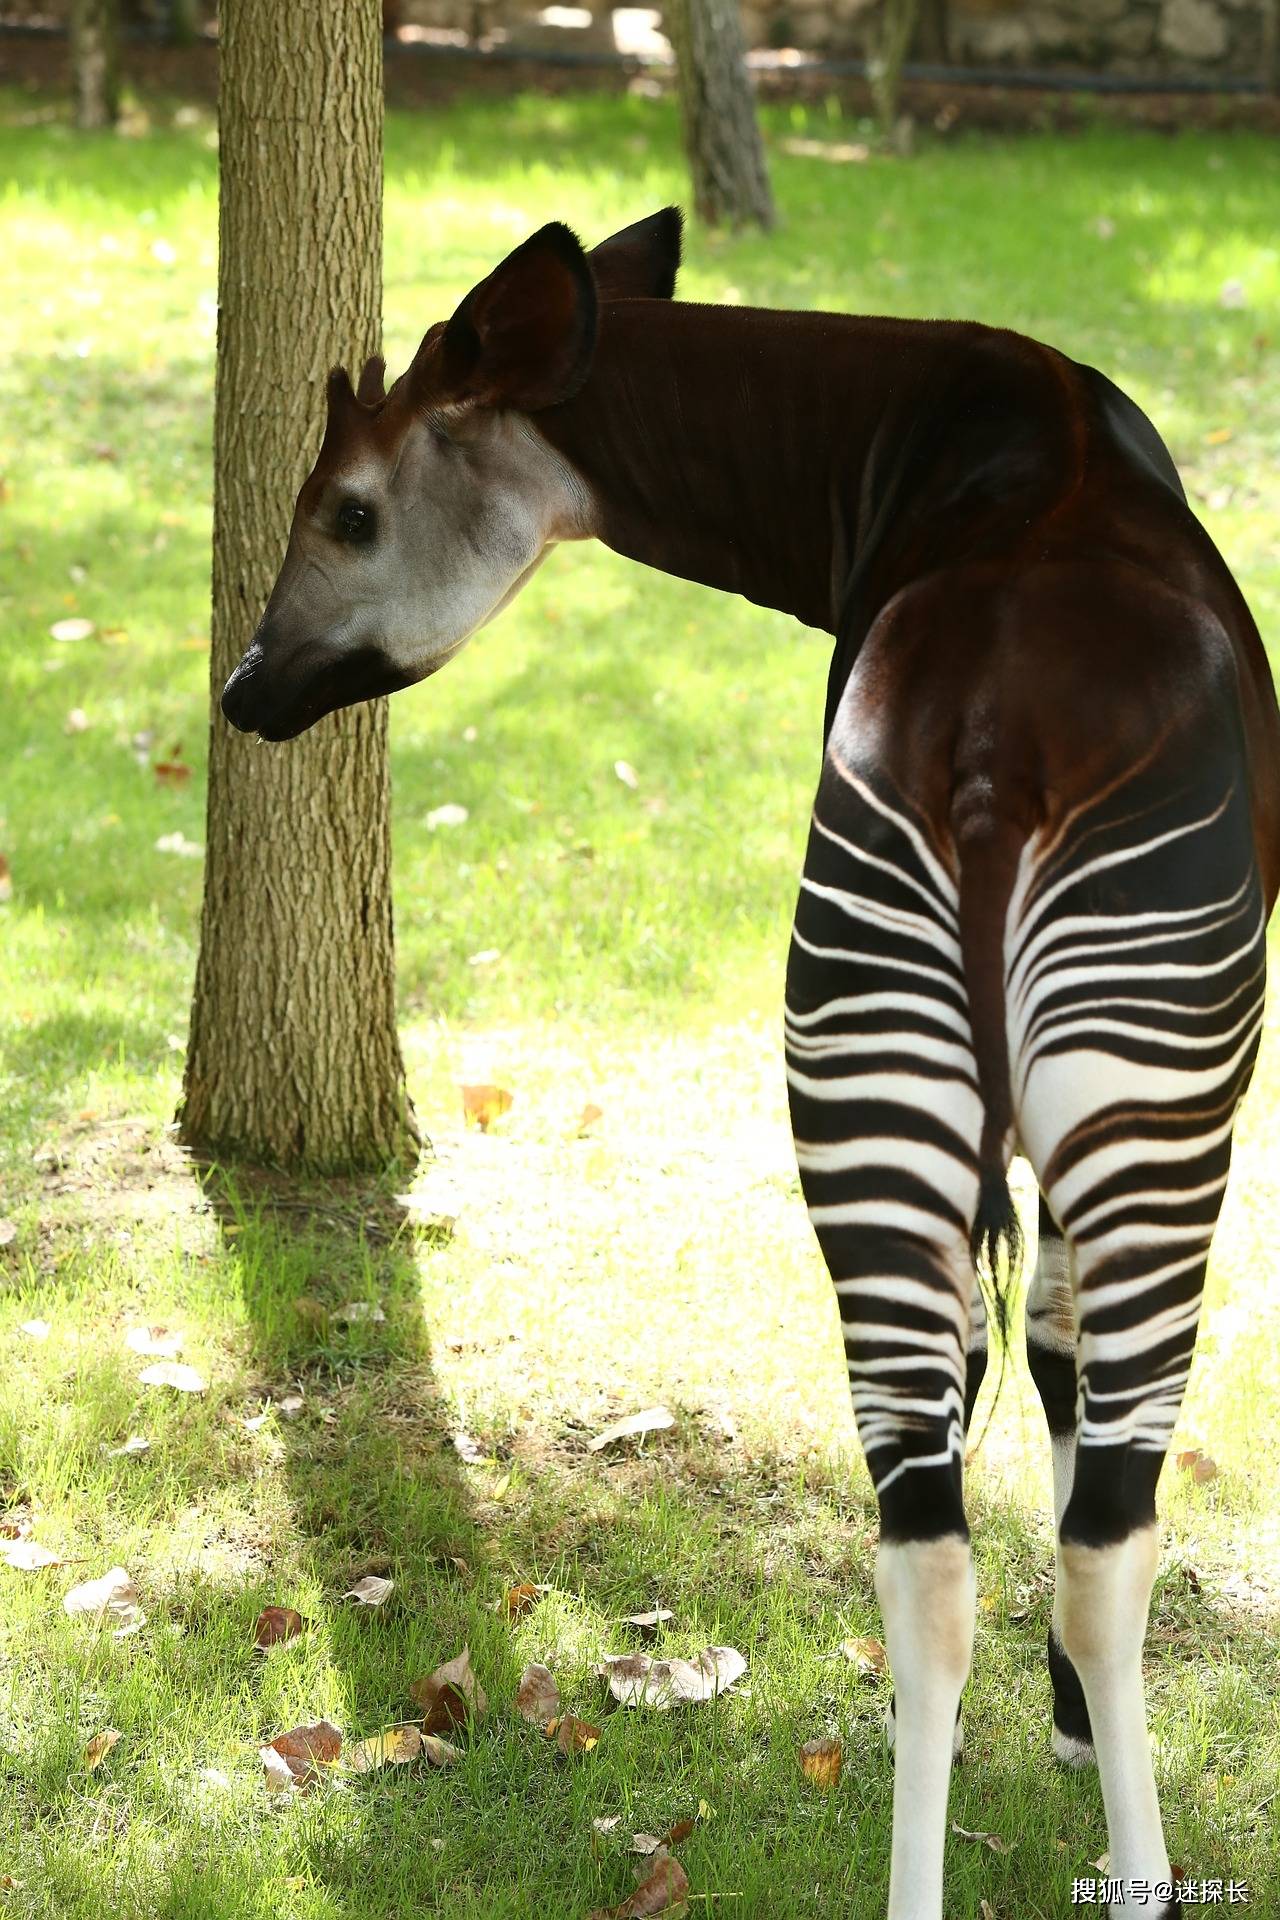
(897, 26)
(294, 1058)
(718, 111)
(94, 65)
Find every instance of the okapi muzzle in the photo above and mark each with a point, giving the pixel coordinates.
(1045, 842)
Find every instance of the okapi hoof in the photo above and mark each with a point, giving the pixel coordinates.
(1072, 1734)
(957, 1738)
(1070, 1751)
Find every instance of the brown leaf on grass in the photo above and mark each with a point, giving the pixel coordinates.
(437, 1752)
(537, 1696)
(469, 1449)
(8, 1232)
(302, 1751)
(992, 1840)
(822, 1761)
(649, 1622)
(450, 1696)
(176, 1374)
(113, 1599)
(481, 1106)
(276, 1625)
(866, 1654)
(372, 1591)
(636, 1680)
(393, 1747)
(663, 1891)
(100, 1746)
(157, 1341)
(517, 1601)
(1199, 1465)
(572, 1735)
(651, 1420)
(172, 773)
(28, 1556)
(589, 1118)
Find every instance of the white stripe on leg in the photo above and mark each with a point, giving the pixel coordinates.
(926, 1591)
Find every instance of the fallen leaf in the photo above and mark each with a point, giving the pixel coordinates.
(356, 1310)
(253, 1421)
(822, 1761)
(469, 1449)
(537, 1696)
(172, 773)
(394, 1747)
(290, 1405)
(372, 1591)
(437, 1752)
(36, 1329)
(651, 1420)
(176, 1374)
(1198, 1465)
(627, 774)
(136, 1443)
(1219, 436)
(485, 958)
(663, 1891)
(449, 815)
(449, 1696)
(572, 1735)
(606, 1822)
(590, 1117)
(74, 629)
(482, 1105)
(112, 1599)
(646, 1843)
(636, 1680)
(985, 1910)
(8, 1232)
(276, 1625)
(649, 1622)
(216, 1778)
(77, 721)
(992, 1840)
(680, 1831)
(157, 1340)
(179, 844)
(28, 1556)
(867, 1655)
(302, 1751)
(100, 1746)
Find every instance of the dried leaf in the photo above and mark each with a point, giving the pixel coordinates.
(8, 1232)
(372, 1591)
(437, 1752)
(136, 1443)
(649, 1622)
(867, 1655)
(73, 629)
(664, 1891)
(77, 721)
(646, 1843)
(178, 843)
(590, 1117)
(154, 1340)
(606, 1822)
(822, 1761)
(1199, 1465)
(482, 1105)
(357, 1310)
(449, 815)
(28, 1556)
(277, 1625)
(36, 1329)
(469, 1449)
(172, 773)
(636, 1680)
(651, 1420)
(572, 1735)
(449, 1696)
(992, 1840)
(113, 1599)
(538, 1696)
(394, 1747)
(627, 774)
(176, 1374)
(303, 1751)
(517, 1601)
(100, 1746)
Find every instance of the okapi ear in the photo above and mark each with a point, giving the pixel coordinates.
(372, 387)
(641, 262)
(525, 336)
(343, 407)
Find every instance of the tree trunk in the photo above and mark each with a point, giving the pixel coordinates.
(717, 107)
(293, 1058)
(94, 71)
(897, 25)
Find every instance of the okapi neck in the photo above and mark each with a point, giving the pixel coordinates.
(743, 448)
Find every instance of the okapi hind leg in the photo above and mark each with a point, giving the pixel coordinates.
(1051, 1355)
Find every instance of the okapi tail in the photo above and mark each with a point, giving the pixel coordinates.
(989, 855)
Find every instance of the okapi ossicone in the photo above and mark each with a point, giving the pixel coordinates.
(1044, 847)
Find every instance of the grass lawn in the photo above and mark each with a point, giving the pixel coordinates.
(576, 940)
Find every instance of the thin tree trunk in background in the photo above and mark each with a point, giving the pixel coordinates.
(94, 64)
(718, 110)
(884, 72)
(294, 1058)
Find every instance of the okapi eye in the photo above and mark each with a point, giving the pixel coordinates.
(356, 523)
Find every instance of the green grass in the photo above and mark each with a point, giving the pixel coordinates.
(640, 937)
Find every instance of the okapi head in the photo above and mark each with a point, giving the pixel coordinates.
(430, 506)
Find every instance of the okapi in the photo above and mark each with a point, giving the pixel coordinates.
(1045, 844)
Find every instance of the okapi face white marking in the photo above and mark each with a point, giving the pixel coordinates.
(430, 506)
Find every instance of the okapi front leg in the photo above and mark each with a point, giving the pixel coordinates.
(1051, 1354)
